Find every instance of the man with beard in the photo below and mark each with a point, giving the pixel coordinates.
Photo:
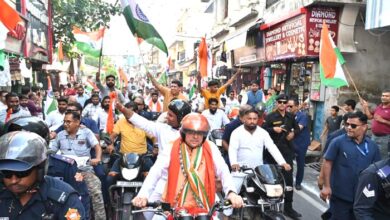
(171, 93)
(13, 108)
(282, 127)
(92, 109)
(23, 99)
(154, 103)
(81, 96)
(216, 117)
(110, 87)
(247, 144)
(103, 114)
(56, 118)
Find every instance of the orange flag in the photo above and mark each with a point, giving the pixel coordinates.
(123, 76)
(60, 52)
(9, 16)
(202, 57)
(8, 116)
(110, 118)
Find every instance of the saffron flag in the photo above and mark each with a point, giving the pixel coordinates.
(140, 25)
(110, 118)
(331, 61)
(9, 16)
(202, 58)
(60, 52)
(89, 85)
(123, 77)
(89, 42)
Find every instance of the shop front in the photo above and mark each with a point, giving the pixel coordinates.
(38, 44)
(292, 46)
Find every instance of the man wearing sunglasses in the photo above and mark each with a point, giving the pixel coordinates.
(27, 192)
(282, 127)
(346, 156)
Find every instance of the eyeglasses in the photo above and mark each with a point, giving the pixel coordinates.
(68, 122)
(282, 102)
(353, 126)
(139, 103)
(9, 174)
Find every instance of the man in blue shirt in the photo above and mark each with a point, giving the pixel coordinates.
(345, 158)
(255, 95)
(301, 140)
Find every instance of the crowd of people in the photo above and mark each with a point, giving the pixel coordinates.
(174, 123)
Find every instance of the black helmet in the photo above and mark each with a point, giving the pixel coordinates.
(180, 108)
(29, 123)
(260, 108)
(21, 151)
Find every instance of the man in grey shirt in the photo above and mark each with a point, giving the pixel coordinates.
(109, 87)
(76, 142)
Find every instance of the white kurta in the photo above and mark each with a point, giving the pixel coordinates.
(160, 171)
(247, 149)
(217, 120)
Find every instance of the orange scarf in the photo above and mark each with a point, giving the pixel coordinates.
(8, 116)
(110, 118)
(174, 169)
(151, 105)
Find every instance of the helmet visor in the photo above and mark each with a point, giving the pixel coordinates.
(14, 165)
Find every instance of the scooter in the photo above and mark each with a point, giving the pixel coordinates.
(127, 186)
(263, 190)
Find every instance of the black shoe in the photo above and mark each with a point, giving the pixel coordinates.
(292, 213)
(298, 187)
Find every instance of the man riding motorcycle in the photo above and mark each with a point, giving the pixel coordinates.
(190, 166)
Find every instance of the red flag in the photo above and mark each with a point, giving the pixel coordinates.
(110, 118)
(203, 57)
(9, 16)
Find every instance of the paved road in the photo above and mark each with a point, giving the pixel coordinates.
(309, 206)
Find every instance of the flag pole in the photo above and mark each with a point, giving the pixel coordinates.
(351, 79)
(140, 53)
(101, 50)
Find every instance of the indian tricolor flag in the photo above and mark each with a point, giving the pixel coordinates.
(51, 102)
(140, 25)
(89, 42)
(331, 61)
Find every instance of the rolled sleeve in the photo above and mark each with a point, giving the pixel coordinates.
(146, 125)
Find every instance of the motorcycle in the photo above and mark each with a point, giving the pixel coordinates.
(216, 137)
(161, 209)
(127, 186)
(262, 188)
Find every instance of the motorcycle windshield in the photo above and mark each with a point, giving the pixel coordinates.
(217, 133)
(268, 174)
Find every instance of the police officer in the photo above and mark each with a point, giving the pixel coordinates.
(372, 197)
(27, 193)
(282, 127)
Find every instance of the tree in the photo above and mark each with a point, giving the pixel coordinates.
(89, 15)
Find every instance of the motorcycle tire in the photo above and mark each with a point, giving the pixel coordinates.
(126, 206)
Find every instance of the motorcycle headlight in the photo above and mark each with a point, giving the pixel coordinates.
(273, 190)
(130, 174)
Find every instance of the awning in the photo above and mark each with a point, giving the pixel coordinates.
(236, 41)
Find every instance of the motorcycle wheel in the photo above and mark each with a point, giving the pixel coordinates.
(126, 206)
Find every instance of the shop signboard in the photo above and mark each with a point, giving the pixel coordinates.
(300, 35)
(37, 45)
(286, 39)
(14, 41)
(315, 18)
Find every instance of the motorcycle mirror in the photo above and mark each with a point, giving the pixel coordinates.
(250, 189)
